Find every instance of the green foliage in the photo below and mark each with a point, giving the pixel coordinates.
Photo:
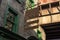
(39, 35)
(31, 1)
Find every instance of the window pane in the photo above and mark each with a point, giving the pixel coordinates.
(54, 10)
(10, 20)
(9, 25)
(11, 17)
(44, 12)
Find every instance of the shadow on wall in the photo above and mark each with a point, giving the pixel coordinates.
(32, 38)
(31, 22)
(31, 18)
(54, 39)
(0, 1)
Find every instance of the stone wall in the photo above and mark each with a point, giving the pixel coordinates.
(20, 8)
(2, 11)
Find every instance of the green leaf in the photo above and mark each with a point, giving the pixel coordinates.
(39, 35)
(38, 32)
(31, 1)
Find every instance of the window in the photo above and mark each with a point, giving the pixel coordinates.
(11, 20)
(11, 16)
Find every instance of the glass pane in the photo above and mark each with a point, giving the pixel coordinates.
(9, 25)
(44, 12)
(45, 20)
(11, 17)
(56, 18)
(54, 10)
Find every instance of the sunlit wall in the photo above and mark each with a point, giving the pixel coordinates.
(44, 16)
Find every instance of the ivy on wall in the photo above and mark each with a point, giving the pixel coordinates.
(30, 4)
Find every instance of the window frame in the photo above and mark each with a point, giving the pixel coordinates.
(15, 27)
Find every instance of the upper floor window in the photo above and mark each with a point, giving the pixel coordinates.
(11, 20)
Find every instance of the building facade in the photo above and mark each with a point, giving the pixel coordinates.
(28, 18)
(44, 15)
(12, 13)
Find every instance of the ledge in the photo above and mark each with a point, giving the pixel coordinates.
(10, 35)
